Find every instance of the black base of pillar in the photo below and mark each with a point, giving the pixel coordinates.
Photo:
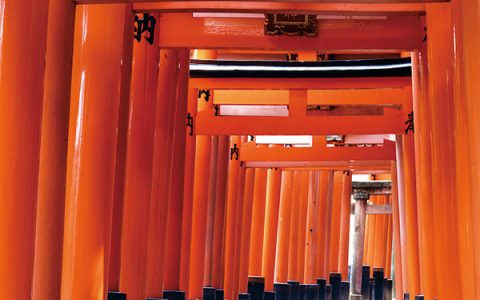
(328, 292)
(209, 293)
(336, 282)
(174, 295)
(243, 296)
(345, 290)
(419, 297)
(406, 296)
(294, 293)
(311, 291)
(378, 276)
(219, 294)
(269, 295)
(282, 291)
(116, 296)
(256, 287)
(322, 288)
(365, 281)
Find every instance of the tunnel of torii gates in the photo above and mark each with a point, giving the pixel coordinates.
(206, 149)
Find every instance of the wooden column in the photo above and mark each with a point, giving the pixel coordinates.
(424, 173)
(238, 227)
(220, 211)
(441, 95)
(47, 270)
(358, 240)
(302, 225)
(22, 70)
(100, 80)
(312, 236)
(138, 175)
(465, 16)
(345, 223)
(381, 227)
(230, 222)
(328, 222)
(336, 221)
(271, 222)
(245, 230)
(164, 213)
(388, 254)
(294, 227)
(258, 222)
(201, 184)
(283, 235)
(396, 234)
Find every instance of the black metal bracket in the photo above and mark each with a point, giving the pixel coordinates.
(410, 123)
(217, 110)
(346, 172)
(234, 151)
(145, 24)
(251, 138)
(425, 38)
(190, 123)
(204, 92)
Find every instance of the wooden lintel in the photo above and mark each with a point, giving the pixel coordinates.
(182, 30)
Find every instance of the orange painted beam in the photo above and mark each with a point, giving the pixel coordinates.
(346, 204)
(301, 83)
(258, 222)
(357, 167)
(318, 152)
(22, 71)
(160, 220)
(389, 123)
(399, 33)
(138, 171)
(283, 235)
(102, 44)
(278, 6)
(319, 97)
(271, 222)
(53, 152)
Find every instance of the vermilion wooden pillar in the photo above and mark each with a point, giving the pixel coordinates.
(346, 203)
(388, 254)
(188, 174)
(238, 226)
(201, 183)
(408, 162)
(53, 152)
(423, 173)
(102, 53)
(399, 183)
(271, 222)
(22, 70)
(258, 222)
(220, 212)
(312, 236)
(281, 257)
(245, 230)
(396, 234)
(465, 21)
(294, 227)
(138, 175)
(164, 213)
(335, 227)
(302, 224)
(212, 186)
(328, 222)
(441, 95)
(466, 16)
(381, 227)
(230, 221)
